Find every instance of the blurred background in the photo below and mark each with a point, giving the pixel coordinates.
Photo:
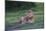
(15, 9)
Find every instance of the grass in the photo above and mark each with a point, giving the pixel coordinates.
(12, 18)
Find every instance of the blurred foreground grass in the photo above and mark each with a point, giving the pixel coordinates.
(12, 18)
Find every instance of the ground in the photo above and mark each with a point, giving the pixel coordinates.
(13, 17)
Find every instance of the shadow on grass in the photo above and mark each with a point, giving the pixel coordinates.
(18, 26)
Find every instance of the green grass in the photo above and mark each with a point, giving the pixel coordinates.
(12, 18)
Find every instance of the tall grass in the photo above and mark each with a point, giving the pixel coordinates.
(12, 18)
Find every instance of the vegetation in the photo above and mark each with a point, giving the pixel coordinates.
(14, 10)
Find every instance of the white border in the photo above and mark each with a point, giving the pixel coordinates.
(45, 15)
(2, 16)
(28, 0)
